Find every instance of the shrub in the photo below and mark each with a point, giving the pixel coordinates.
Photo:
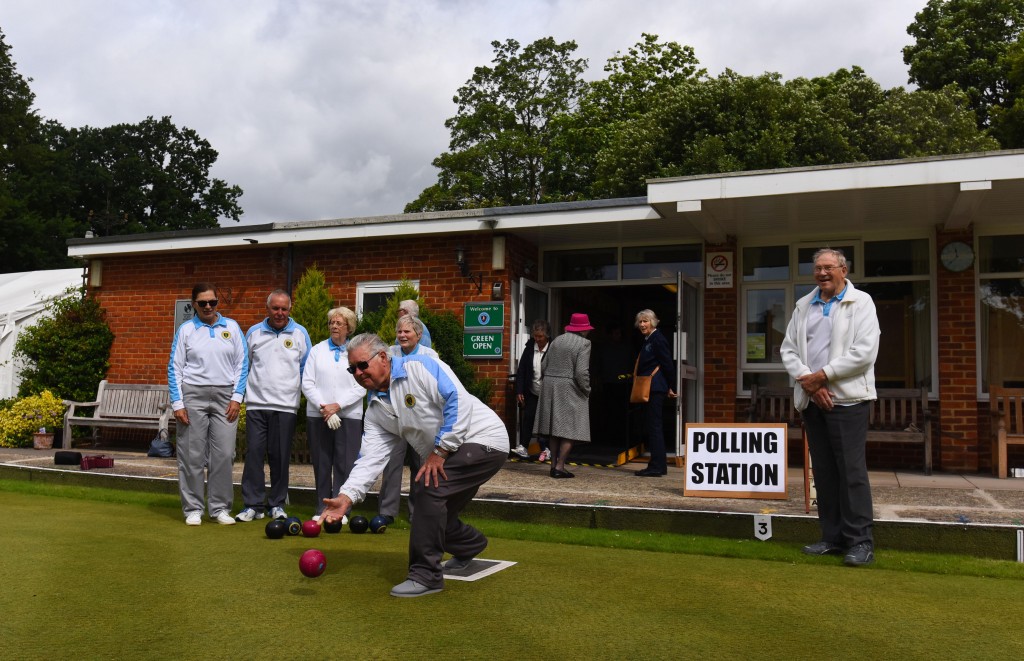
(28, 415)
(68, 350)
(312, 303)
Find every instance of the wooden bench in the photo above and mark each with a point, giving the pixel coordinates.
(122, 405)
(1007, 406)
(899, 415)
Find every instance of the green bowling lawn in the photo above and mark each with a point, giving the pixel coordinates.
(95, 573)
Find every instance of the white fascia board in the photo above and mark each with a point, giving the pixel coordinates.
(577, 217)
(391, 229)
(893, 174)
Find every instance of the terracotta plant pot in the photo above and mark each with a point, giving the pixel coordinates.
(41, 441)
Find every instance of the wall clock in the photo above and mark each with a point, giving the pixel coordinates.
(957, 256)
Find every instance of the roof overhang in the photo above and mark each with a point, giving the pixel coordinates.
(949, 192)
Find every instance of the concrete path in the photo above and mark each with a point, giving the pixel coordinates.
(898, 496)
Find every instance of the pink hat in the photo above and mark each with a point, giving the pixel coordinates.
(578, 322)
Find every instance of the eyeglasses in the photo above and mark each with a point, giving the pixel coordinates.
(362, 365)
(212, 303)
(332, 324)
(826, 269)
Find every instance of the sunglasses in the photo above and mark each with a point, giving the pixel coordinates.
(211, 303)
(362, 365)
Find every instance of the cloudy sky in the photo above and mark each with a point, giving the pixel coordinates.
(336, 108)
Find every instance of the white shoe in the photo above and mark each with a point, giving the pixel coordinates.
(344, 520)
(545, 455)
(248, 514)
(224, 519)
(194, 519)
(278, 513)
(317, 518)
(521, 451)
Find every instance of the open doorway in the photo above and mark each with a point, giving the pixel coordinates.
(616, 426)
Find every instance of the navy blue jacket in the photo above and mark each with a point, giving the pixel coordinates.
(524, 373)
(657, 353)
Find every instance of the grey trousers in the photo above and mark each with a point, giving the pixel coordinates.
(837, 440)
(437, 528)
(391, 480)
(206, 448)
(269, 434)
(333, 452)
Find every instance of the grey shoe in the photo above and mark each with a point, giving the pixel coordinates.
(822, 548)
(248, 514)
(456, 564)
(411, 588)
(859, 555)
(520, 451)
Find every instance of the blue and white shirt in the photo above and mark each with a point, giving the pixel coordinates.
(425, 406)
(207, 355)
(276, 361)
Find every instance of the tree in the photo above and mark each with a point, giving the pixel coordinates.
(146, 177)
(312, 303)
(964, 43)
(68, 350)
(734, 123)
(1008, 119)
(636, 83)
(502, 134)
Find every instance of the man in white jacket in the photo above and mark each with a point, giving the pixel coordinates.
(277, 354)
(462, 443)
(830, 349)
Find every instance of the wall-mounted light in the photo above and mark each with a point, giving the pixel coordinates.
(498, 253)
(477, 279)
(95, 273)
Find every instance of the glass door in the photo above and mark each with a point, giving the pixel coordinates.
(689, 350)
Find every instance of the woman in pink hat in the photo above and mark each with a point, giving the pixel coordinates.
(563, 412)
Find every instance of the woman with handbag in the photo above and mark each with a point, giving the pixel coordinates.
(653, 377)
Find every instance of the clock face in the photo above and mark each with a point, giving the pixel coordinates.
(957, 256)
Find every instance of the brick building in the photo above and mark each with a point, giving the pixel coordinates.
(937, 242)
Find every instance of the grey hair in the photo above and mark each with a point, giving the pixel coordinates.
(835, 252)
(348, 315)
(279, 292)
(412, 306)
(412, 320)
(646, 314)
(541, 325)
(369, 340)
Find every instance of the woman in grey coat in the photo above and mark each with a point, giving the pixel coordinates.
(563, 411)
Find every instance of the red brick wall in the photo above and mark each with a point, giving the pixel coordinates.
(958, 378)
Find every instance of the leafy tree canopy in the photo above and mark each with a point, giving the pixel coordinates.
(964, 43)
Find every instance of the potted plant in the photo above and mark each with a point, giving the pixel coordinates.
(31, 419)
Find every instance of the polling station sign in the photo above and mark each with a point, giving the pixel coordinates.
(736, 460)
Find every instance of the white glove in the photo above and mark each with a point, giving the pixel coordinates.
(334, 422)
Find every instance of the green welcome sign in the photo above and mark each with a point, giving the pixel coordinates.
(484, 330)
